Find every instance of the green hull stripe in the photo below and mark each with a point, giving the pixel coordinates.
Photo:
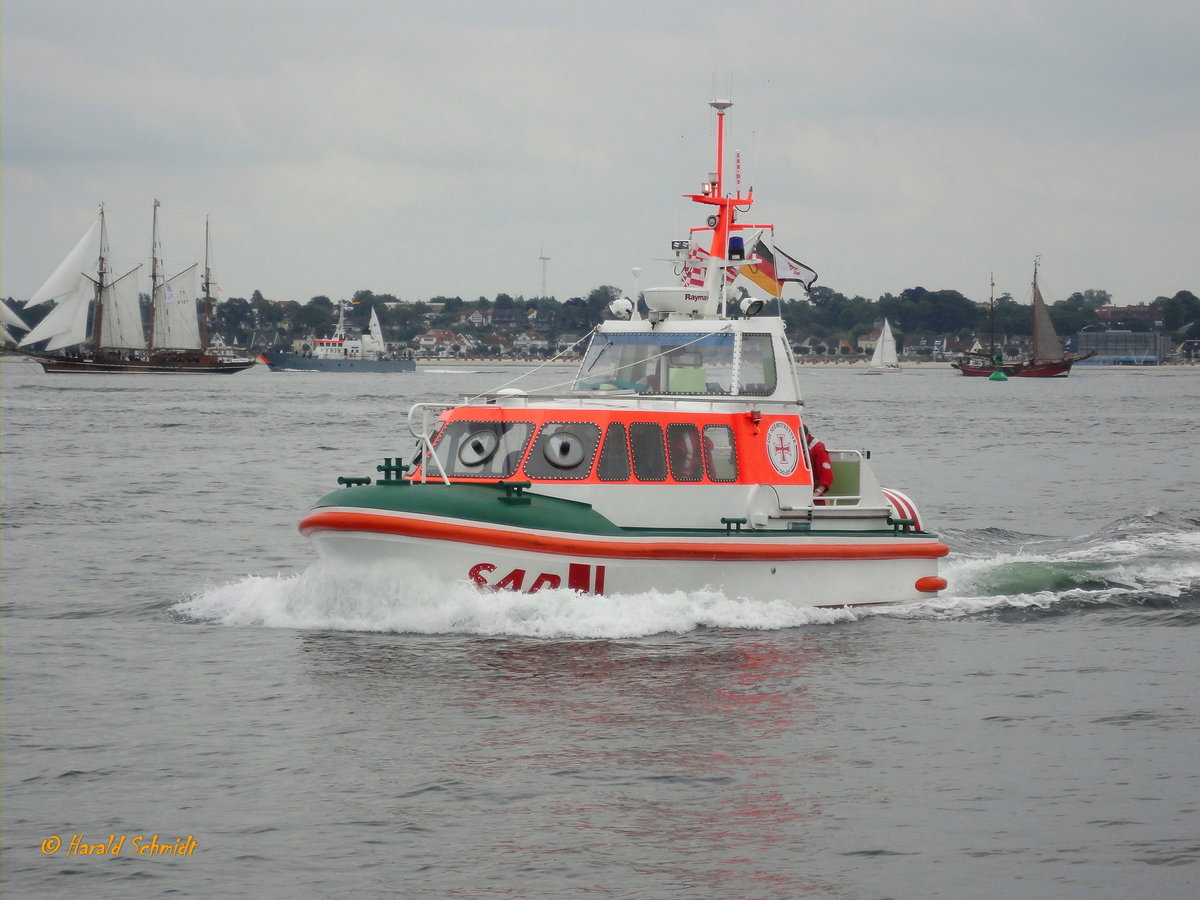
(488, 504)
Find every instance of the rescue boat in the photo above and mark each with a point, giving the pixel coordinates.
(675, 462)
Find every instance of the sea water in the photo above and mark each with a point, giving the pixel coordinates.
(185, 684)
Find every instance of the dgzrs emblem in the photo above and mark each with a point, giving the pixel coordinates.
(783, 449)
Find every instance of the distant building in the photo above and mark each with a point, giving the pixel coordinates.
(496, 344)
(441, 342)
(543, 317)
(566, 340)
(1112, 315)
(1123, 348)
(477, 317)
(225, 350)
(530, 342)
(810, 345)
(504, 318)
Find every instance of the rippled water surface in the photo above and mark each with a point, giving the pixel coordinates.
(176, 664)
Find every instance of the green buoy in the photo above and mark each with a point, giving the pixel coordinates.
(997, 376)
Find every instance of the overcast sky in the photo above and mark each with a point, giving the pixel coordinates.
(441, 148)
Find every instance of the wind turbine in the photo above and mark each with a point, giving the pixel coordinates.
(545, 259)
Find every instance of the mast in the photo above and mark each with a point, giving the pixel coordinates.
(722, 222)
(101, 275)
(154, 249)
(1036, 301)
(992, 319)
(207, 313)
(340, 333)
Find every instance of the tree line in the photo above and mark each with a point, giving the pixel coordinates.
(826, 315)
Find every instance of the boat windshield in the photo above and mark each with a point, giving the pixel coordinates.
(471, 449)
(757, 374)
(659, 363)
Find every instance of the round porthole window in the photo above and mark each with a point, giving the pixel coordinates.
(478, 448)
(564, 451)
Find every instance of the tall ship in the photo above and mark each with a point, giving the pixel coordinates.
(96, 324)
(1047, 359)
(677, 460)
(368, 352)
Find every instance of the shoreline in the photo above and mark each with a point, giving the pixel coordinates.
(434, 363)
(801, 365)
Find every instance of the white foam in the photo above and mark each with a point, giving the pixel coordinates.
(387, 599)
(391, 598)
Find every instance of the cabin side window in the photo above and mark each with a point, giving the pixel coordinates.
(758, 376)
(614, 455)
(563, 450)
(649, 451)
(720, 457)
(482, 449)
(686, 453)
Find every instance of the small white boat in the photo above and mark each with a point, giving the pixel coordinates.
(884, 358)
(676, 461)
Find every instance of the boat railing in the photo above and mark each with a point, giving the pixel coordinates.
(425, 453)
(846, 489)
(591, 398)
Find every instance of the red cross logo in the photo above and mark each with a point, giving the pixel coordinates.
(782, 449)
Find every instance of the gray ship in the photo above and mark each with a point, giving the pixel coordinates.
(367, 353)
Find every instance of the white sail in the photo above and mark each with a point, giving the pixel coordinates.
(884, 356)
(9, 319)
(72, 289)
(176, 325)
(8, 316)
(373, 344)
(66, 324)
(65, 279)
(122, 327)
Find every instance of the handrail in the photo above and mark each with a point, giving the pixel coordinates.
(591, 397)
(425, 439)
(838, 494)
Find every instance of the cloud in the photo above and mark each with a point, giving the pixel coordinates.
(441, 149)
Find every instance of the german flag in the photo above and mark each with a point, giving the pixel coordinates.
(762, 272)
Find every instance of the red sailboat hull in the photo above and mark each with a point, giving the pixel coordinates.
(1056, 369)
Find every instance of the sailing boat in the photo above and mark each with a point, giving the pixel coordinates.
(884, 358)
(119, 342)
(1047, 359)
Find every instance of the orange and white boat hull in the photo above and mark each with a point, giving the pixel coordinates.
(805, 569)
